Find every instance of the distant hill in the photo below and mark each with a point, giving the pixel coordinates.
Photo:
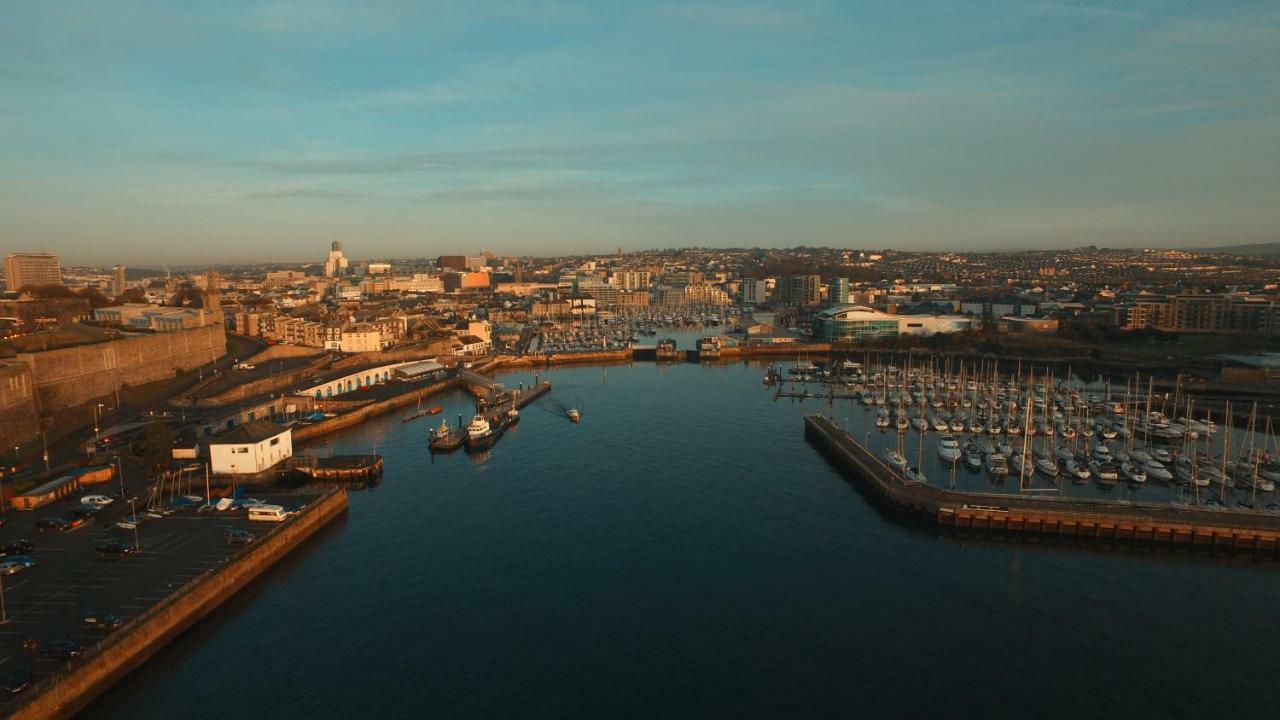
(1266, 250)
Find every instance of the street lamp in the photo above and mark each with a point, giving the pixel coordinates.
(96, 408)
(134, 511)
(4, 614)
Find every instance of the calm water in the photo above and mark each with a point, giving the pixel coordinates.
(683, 552)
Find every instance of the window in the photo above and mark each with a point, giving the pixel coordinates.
(275, 441)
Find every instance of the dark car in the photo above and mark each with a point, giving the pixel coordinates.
(83, 512)
(19, 680)
(17, 547)
(101, 621)
(63, 649)
(53, 525)
(113, 547)
(236, 536)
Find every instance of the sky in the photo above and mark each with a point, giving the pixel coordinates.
(164, 131)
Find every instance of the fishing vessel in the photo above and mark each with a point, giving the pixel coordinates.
(574, 415)
(482, 433)
(445, 439)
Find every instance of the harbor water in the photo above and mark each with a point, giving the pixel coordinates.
(684, 552)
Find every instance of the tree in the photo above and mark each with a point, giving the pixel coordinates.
(95, 297)
(132, 295)
(46, 292)
(155, 446)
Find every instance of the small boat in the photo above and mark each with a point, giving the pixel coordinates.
(913, 474)
(417, 413)
(513, 417)
(895, 460)
(997, 466)
(1133, 473)
(948, 448)
(435, 410)
(1047, 466)
(973, 461)
(1079, 471)
(574, 415)
(444, 439)
(1104, 471)
(1156, 469)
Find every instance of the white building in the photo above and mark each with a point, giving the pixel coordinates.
(250, 448)
(336, 264)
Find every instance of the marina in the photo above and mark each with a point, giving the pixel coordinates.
(757, 548)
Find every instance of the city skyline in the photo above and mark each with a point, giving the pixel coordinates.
(147, 133)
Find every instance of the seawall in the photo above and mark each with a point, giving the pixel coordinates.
(102, 666)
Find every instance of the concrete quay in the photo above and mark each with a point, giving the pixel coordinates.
(1160, 525)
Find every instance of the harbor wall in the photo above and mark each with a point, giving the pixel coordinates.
(351, 419)
(138, 640)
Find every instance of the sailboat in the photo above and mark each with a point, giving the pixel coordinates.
(418, 413)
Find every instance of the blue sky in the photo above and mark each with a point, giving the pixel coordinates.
(164, 131)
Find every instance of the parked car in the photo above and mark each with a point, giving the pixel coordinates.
(26, 560)
(101, 621)
(74, 521)
(113, 547)
(236, 536)
(97, 500)
(83, 512)
(19, 680)
(17, 547)
(53, 525)
(9, 567)
(63, 649)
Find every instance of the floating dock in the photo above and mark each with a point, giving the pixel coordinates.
(338, 468)
(1018, 516)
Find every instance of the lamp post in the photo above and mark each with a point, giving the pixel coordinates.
(4, 613)
(120, 475)
(133, 511)
(96, 408)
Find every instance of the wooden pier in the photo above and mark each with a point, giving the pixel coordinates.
(1070, 519)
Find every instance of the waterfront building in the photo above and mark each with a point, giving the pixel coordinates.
(857, 323)
(250, 448)
(1200, 312)
(32, 270)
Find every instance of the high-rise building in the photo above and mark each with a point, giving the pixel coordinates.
(117, 281)
(632, 279)
(336, 264)
(755, 292)
(32, 269)
(838, 291)
(798, 290)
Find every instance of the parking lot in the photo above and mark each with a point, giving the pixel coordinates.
(45, 603)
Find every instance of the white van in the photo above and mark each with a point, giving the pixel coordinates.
(268, 513)
(96, 500)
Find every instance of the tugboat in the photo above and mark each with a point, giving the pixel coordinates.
(574, 415)
(482, 434)
(445, 439)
